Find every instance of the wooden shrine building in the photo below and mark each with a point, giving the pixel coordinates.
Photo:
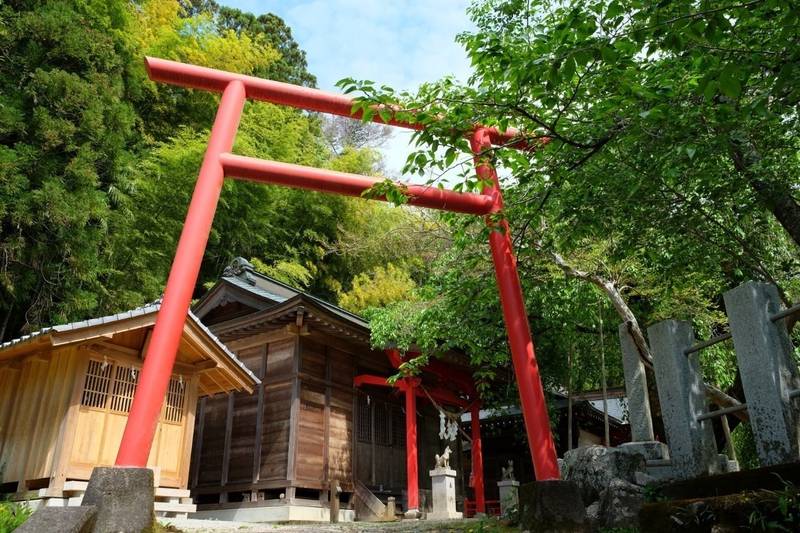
(323, 412)
(65, 394)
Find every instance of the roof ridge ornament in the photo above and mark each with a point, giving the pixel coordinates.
(242, 268)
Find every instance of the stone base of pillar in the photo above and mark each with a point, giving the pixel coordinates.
(123, 497)
(411, 514)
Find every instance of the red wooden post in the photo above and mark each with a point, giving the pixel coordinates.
(412, 476)
(160, 358)
(477, 458)
(529, 382)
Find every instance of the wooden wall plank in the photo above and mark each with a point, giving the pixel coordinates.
(197, 448)
(226, 447)
(294, 415)
(259, 436)
(215, 421)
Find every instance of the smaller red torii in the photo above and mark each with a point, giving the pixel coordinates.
(411, 387)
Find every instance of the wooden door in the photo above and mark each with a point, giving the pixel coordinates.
(105, 402)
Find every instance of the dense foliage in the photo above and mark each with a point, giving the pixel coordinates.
(97, 163)
(670, 175)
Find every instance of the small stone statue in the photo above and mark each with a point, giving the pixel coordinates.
(508, 471)
(443, 461)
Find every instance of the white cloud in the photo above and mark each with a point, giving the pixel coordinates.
(400, 43)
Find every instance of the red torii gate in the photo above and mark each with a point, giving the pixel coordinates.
(219, 163)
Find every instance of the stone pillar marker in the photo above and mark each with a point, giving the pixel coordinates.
(643, 440)
(682, 397)
(769, 372)
(635, 388)
(443, 481)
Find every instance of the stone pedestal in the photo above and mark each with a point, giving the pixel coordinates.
(443, 481)
(509, 494)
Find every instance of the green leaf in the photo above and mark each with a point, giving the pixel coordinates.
(710, 90)
(729, 82)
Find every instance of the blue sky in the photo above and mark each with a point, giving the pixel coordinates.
(401, 43)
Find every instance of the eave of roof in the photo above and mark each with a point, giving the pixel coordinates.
(272, 317)
(45, 335)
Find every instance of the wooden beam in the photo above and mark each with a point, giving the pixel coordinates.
(326, 418)
(228, 370)
(109, 348)
(204, 366)
(262, 338)
(60, 338)
(146, 343)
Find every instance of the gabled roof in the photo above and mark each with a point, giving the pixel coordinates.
(269, 293)
(233, 374)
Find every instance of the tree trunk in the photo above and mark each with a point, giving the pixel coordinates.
(613, 293)
(776, 198)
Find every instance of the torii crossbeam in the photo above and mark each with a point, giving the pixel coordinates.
(219, 163)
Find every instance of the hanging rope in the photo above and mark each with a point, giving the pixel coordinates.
(455, 419)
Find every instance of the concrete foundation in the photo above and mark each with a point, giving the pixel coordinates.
(652, 450)
(555, 506)
(63, 520)
(274, 513)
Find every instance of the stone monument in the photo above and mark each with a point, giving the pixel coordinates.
(509, 489)
(443, 481)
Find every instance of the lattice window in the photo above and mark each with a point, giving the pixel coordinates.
(110, 385)
(173, 403)
(383, 435)
(95, 388)
(125, 380)
(364, 414)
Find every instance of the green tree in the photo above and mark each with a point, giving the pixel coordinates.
(66, 128)
(292, 66)
(670, 174)
(378, 288)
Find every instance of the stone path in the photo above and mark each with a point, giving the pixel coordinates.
(405, 526)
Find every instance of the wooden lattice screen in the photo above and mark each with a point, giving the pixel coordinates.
(121, 380)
